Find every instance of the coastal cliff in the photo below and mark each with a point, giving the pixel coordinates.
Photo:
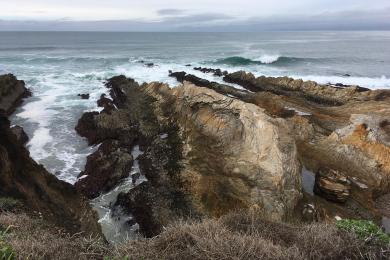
(222, 165)
(23, 179)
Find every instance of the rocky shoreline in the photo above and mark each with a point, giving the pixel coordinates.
(210, 148)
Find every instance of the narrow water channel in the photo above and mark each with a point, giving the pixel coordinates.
(116, 227)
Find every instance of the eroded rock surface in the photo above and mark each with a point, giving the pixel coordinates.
(342, 128)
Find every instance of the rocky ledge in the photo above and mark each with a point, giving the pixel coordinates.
(22, 178)
(12, 91)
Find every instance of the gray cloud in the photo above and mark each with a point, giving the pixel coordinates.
(169, 12)
(178, 20)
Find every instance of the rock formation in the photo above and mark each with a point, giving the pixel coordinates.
(210, 148)
(204, 153)
(341, 128)
(332, 185)
(12, 91)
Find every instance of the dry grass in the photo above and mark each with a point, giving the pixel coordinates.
(236, 236)
(245, 236)
(33, 239)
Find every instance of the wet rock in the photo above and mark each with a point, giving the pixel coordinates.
(216, 72)
(12, 91)
(135, 177)
(21, 136)
(98, 127)
(149, 65)
(148, 208)
(83, 96)
(332, 185)
(106, 103)
(105, 169)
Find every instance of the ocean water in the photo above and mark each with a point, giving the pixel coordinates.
(59, 65)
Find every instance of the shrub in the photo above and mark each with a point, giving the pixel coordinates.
(366, 230)
(6, 251)
(9, 204)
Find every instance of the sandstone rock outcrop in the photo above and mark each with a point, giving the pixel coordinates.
(345, 128)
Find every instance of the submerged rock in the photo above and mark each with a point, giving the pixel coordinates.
(83, 96)
(216, 72)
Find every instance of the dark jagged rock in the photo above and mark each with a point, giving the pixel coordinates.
(105, 169)
(332, 185)
(106, 103)
(147, 206)
(86, 127)
(216, 72)
(114, 128)
(12, 91)
(21, 136)
(83, 96)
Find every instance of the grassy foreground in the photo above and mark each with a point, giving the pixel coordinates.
(235, 236)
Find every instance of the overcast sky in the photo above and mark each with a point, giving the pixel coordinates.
(194, 15)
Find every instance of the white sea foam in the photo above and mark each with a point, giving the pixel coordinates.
(268, 58)
(372, 83)
(38, 142)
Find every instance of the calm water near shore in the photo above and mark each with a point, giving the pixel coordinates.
(59, 65)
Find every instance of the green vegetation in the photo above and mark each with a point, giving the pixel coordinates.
(6, 251)
(366, 230)
(9, 204)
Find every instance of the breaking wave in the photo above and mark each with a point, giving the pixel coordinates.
(263, 60)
